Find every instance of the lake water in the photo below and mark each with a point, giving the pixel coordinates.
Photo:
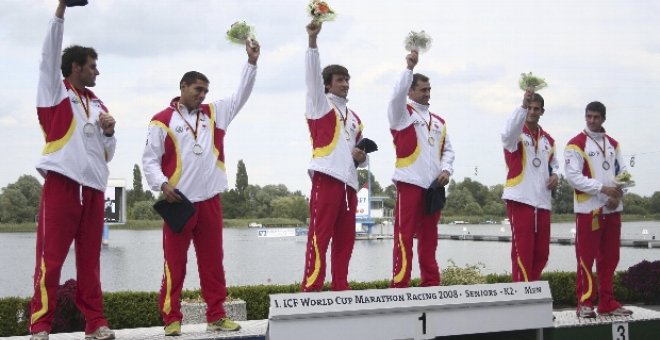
(134, 259)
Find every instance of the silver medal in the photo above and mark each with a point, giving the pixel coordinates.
(197, 149)
(431, 141)
(536, 162)
(606, 165)
(88, 129)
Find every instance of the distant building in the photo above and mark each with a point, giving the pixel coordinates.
(378, 209)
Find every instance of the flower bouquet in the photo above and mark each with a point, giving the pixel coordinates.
(624, 180)
(239, 32)
(320, 11)
(418, 41)
(531, 82)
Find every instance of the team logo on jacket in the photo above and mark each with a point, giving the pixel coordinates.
(591, 153)
(179, 129)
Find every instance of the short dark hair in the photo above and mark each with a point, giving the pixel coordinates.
(191, 77)
(329, 70)
(596, 107)
(416, 78)
(76, 54)
(538, 98)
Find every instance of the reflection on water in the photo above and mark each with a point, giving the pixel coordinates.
(134, 259)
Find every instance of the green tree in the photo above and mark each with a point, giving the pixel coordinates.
(562, 198)
(290, 206)
(477, 190)
(376, 189)
(635, 204)
(459, 202)
(241, 179)
(19, 201)
(137, 194)
(390, 192)
(143, 210)
(654, 203)
(232, 207)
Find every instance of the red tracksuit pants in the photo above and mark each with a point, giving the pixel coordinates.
(602, 245)
(332, 216)
(530, 241)
(204, 229)
(409, 220)
(68, 212)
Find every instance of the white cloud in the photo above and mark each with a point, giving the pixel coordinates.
(586, 50)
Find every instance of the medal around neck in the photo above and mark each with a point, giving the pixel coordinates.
(431, 141)
(197, 149)
(88, 129)
(536, 162)
(606, 165)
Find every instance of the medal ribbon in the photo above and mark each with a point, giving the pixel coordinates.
(194, 131)
(85, 107)
(535, 139)
(428, 125)
(341, 115)
(602, 149)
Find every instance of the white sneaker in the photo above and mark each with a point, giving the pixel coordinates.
(618, 312)
(585, 311)
(43, 335)
(101, 333)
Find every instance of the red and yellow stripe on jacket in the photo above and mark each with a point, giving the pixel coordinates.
(58, 123)
(406, 143)
(171, 162)
(578, 144)
(325, 132)
(516, 161)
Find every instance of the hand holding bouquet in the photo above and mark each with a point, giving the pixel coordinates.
(239, 32)
(418, 41)
(530, 82)
(320, 11)
(624, 180)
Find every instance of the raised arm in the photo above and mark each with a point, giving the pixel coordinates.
(514, 125)
(396, 110)
(227, 109)
(317, 103)
(50, 90)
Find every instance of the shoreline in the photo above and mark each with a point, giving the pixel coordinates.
(292, 223)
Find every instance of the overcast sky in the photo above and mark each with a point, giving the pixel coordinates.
(604, 50)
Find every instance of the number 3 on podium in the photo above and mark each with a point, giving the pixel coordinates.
(620, 331)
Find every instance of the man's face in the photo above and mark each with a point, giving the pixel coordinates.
(421, 93)
(192, 95)
(339, 85)
(594, 120)
(534, 112)
(87, 73)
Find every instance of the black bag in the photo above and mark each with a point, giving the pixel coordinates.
(435, 198)
(366, 145)
(176, 215)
